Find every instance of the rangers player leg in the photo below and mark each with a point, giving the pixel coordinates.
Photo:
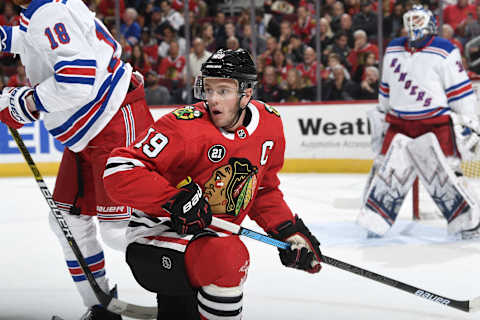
(448, 189)
(218, 266)
(388, 187)
(75, 196)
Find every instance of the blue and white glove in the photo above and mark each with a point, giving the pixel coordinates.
(13, 107)
(467, 130)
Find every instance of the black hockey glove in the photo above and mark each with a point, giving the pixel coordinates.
(304, 251)
(189, 212)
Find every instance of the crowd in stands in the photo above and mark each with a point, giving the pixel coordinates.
(152, 34)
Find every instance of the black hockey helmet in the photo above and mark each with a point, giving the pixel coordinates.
(229, 64)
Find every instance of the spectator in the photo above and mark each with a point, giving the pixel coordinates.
(308, 69)
(268, 89)
(326, 34)
(155, 94)
(366, 20)
(170, 16)
(361, 47)
(456, 15)
(198, 56)
(337, 11)
(394, 22)
(340, 48)
(304, 26)
(232, 43)
(208, 38)
(281, 66)
(219, 33)
(130, 29)
(369, 86)
(339, 88)
(19, 79)
(333, 61)
(294, 91)
(472, 25)
(271, 46)
(285, 34)
(366, 59)
(171, 72)
(169, 35)
(295, 50)
(346, 27)
(448, 33)
(195, 25)
(230, 30)
(9, 16)
(247, 40)
(149, 45)
(139, 60)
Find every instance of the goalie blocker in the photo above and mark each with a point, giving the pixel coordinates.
(403, 159)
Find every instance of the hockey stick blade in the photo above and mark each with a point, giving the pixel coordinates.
(464, 305)
(110, 303)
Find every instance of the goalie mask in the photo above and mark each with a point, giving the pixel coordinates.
(227, 64)
(419, 22)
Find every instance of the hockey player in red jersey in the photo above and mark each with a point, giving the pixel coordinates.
(232, 147)
(91, 102)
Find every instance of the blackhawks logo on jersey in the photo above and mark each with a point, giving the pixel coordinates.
(271, 109)
(230, 188)
(187, 113)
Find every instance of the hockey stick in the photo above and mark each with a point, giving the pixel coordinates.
(472, 305)
(110, 303)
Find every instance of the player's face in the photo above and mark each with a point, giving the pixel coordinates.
(222, 98)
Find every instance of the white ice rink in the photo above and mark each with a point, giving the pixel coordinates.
(35, 284)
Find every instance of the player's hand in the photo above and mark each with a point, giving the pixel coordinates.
(14, 111)
(189, 212)
(304, 251)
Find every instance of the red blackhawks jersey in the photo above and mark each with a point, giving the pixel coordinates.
(237, 171)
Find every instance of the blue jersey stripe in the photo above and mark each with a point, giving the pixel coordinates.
(76, 63)
(457, 85)
(79, 80)
(418, 112)
(38, 103)
(89, 260)
(96, 274)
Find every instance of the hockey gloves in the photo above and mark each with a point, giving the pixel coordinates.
(13, 107)
(304, 252)
(189, 212)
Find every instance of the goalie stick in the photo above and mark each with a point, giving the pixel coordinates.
(472, 305)
(110, 303)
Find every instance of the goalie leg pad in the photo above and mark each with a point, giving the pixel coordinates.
(450, 192)
(388, 188)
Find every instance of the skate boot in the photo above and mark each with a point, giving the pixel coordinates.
(473, 233)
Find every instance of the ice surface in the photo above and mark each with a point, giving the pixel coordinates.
(34, 282)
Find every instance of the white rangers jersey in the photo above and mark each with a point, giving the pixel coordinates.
(73, 63)
(424, 83)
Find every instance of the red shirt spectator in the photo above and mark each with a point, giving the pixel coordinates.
(171, 67)
(361, 47)
(304, 26)
(308, 69)
(456, 14)
(178, 5)
(107, 8)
